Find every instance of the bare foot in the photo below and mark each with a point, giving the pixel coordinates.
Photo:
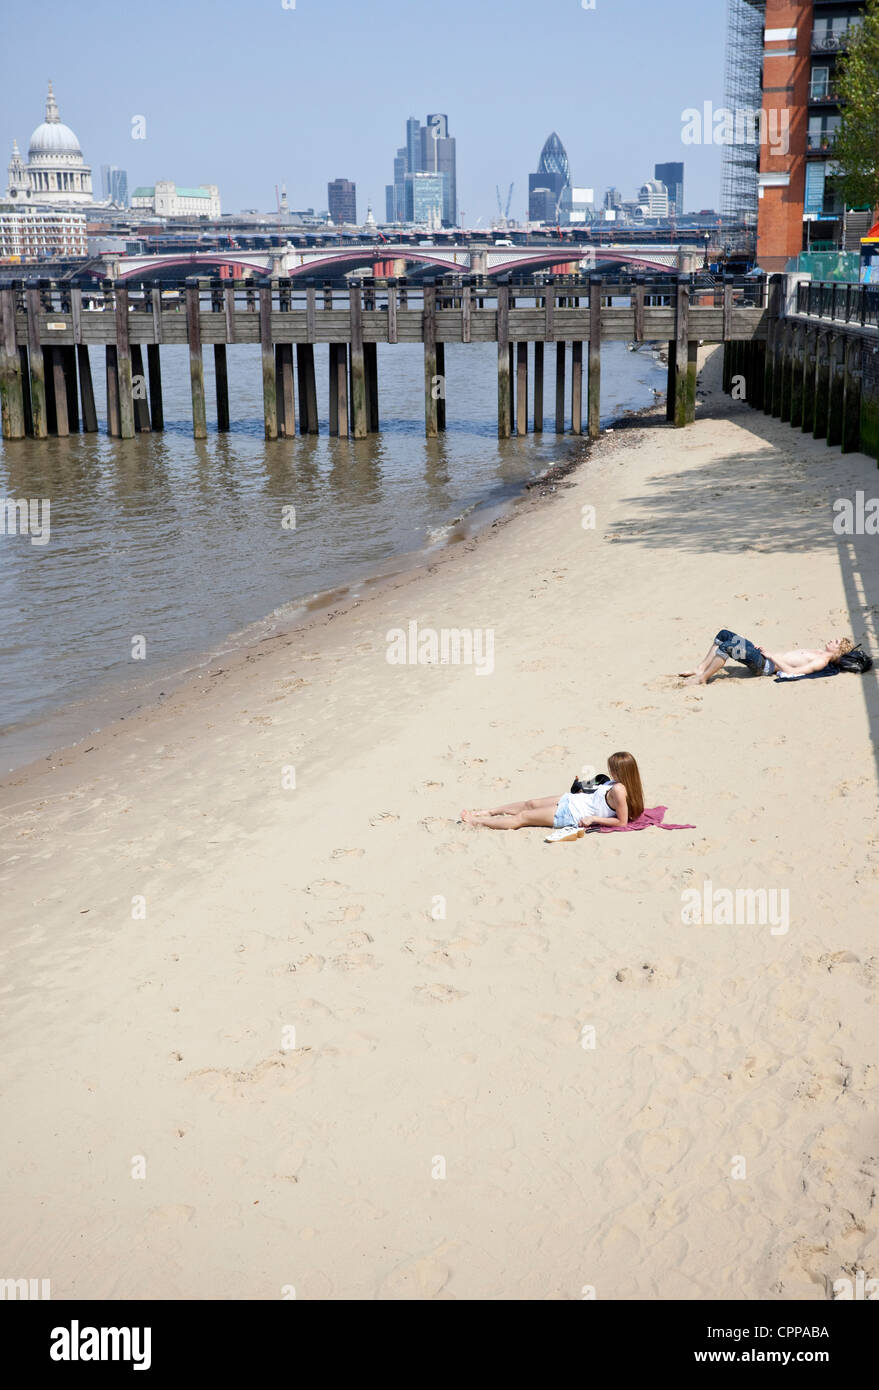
(696, 680)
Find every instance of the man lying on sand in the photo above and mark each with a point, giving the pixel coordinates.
(613, 802)
(802, 661)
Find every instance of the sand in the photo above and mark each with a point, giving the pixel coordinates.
(354, 1049)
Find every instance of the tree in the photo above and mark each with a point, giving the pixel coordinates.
(857, 140)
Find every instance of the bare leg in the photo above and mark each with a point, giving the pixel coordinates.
(516, 808)
(703, 664)
(543, 818)
(705, 673)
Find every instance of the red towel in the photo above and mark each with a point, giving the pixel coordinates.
(653, 816)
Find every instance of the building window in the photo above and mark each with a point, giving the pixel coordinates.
(819, 89)
(822, 130)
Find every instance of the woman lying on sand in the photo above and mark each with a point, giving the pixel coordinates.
(611, 803)
(800, 662)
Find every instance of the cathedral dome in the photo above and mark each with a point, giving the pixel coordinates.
(53, 137)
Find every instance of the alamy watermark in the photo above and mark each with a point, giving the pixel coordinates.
(742, 125)
(26, 516)
(737, 907)
(858, 516)
(447, 646)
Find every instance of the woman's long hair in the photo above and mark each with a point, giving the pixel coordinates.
(623, 768)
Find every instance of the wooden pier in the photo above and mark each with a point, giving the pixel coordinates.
(46, 331)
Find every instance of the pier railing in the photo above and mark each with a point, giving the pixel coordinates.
(845, 302)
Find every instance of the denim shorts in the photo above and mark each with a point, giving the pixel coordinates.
(740, 649)
(565, 815)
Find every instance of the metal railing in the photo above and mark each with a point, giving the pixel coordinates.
(843, 303)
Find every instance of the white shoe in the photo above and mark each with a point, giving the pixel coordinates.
(567, 832)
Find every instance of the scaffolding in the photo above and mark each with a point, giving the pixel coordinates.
(743, 95)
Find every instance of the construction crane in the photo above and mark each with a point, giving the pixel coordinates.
(509, 202)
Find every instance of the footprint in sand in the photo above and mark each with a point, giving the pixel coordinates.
(436, 824)
(350, 961)
(347, 853)
(439, 994)
(383, 818)
(326, 888)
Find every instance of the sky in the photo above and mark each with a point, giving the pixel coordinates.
(297, 92)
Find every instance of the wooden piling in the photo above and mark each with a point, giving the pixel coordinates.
(11, 394)
(288, 391)
(796, 381)
(338, 372)
(59, 388)
(560, 388)
(538, 388)
(36, 367)
(221, 381)
(112, 391)
(196, 364)
(430, 372)
(521, 388)
(86, 390)
(26, 390)
(786, 353)
(593, 411)
(308, 420)
(577, 386)
(771, 369)
(370, 357)
(685, 371)
(870, 397)
(123, 364)
(68, 354)
(671, 380)
(836, 388)
(359, 412)
(157, 408)
(503, 362)
(851, 405)
(139, 390)
(810, 364)
(269, 398)
(441, 398)
(821, 390)
(279, 398)
(511, 352)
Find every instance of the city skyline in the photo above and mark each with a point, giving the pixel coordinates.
(133, 120)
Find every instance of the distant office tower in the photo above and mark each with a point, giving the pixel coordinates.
(114, 184)
(613, 199)
(653, 197)
(672, 175)
(429, 150)
(546, 186)
(428, 196)
(342, 202)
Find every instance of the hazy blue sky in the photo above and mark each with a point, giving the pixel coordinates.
(247, 95)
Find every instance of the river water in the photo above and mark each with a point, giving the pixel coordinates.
(184, 544)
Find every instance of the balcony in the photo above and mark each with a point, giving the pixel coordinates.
(823, 94)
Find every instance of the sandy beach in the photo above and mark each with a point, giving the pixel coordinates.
(273, 1020)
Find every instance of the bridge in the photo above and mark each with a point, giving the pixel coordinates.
(385, 260)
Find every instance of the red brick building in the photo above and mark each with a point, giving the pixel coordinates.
(799, 206)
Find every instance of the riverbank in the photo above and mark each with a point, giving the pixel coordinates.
(275, 848)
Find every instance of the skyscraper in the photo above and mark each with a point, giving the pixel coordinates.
(114, 184)
(429, 149)
(342, 202)
(547, 184)
(672, 175)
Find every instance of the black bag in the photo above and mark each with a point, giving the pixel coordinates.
(856, 661)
